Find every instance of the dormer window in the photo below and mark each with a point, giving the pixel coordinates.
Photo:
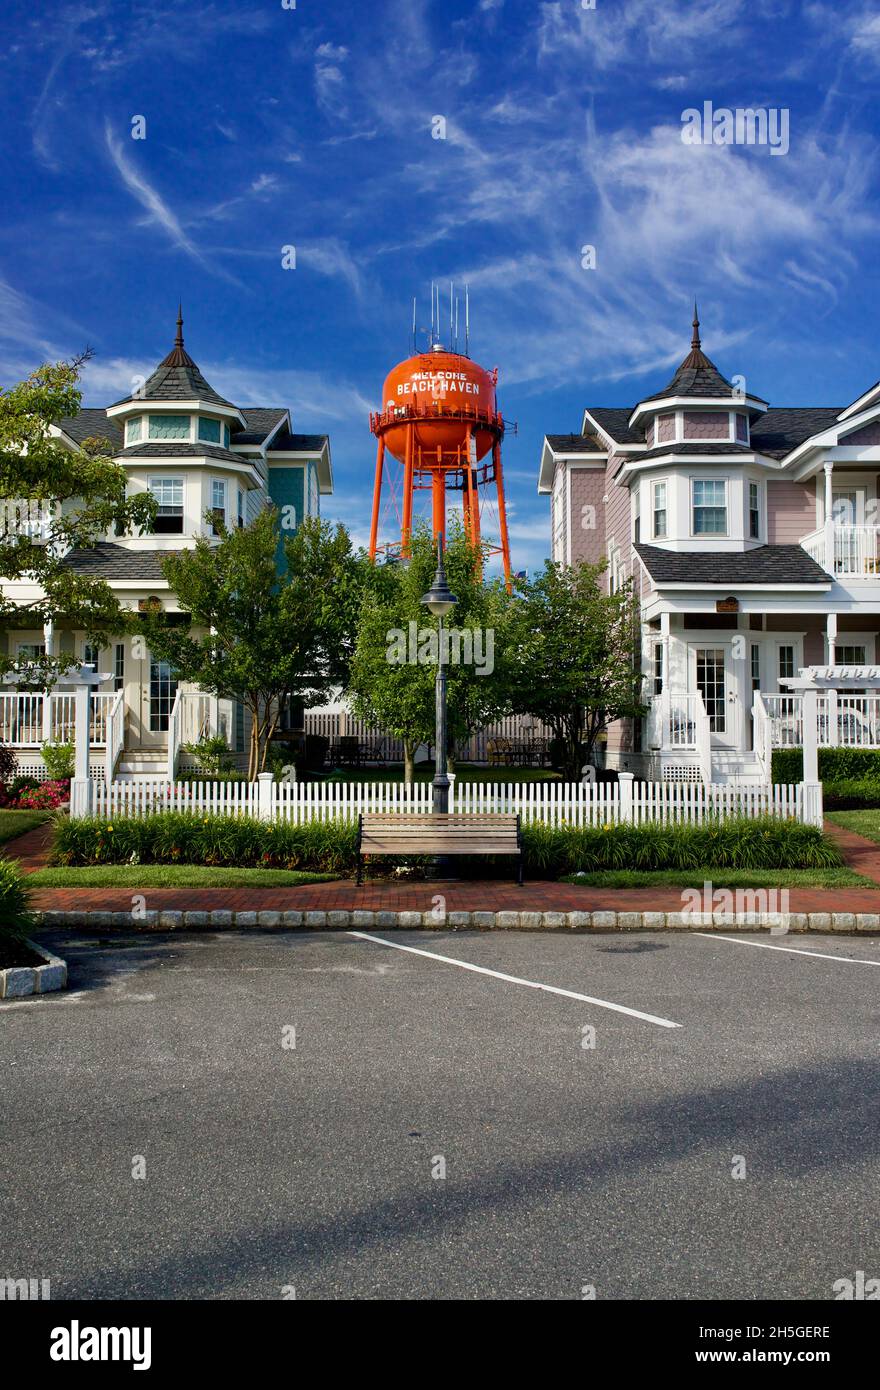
(169, 427)
(133, 430)
(209, 430)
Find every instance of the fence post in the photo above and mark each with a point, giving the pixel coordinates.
(813, 810)
(625, 789)
(265, 795)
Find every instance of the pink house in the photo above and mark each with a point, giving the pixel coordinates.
(750, 533)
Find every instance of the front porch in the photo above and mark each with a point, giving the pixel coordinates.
(719, 696)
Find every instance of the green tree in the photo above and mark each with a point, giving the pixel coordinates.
(82, 497)
(258, 635)
(394, 667)
(576, 656)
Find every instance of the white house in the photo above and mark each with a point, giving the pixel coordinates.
(751, 534)
(197, 453)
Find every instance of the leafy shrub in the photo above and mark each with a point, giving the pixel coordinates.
(835, 764)
(221, 841)
(16, 917)
(211, 754)
(59, 759)
(851, 794)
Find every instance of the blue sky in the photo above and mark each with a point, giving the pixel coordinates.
(312, 127)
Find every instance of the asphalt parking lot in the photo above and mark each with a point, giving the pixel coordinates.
(574, 1160)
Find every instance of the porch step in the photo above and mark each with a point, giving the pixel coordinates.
(142, 762)
(736, 767)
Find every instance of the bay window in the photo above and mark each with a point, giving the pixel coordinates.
(709, 507)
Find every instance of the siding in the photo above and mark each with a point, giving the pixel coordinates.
(710, 424)
(791, 512)
(587, 515)
(868, 434)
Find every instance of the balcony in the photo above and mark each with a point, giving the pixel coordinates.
(847, 552)
(20, 517)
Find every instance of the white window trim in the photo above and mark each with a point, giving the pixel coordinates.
(655, 483)
(709, 535)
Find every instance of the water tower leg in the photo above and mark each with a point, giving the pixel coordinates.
(502, 513)
(406, 529)
(377, 497)
(438, 499)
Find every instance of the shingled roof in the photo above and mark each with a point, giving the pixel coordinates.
(158, 449)
(575, 444)
(697, 376)
(91, 423)
(177, 378)
(298, 443)
(615, 423)
(733, 569)
(779, 431)
(108, 561)
(261, 420)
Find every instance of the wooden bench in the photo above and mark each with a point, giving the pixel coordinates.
(399, 833)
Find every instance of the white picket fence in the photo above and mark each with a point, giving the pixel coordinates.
(552, 803)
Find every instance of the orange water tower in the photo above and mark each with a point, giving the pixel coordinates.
(440, 420)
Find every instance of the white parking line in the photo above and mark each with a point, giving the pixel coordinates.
(791, 950)
(516, 980)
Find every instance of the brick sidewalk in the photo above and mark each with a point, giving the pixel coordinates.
(860, 854)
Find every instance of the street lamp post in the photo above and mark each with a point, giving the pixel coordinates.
(439, 601)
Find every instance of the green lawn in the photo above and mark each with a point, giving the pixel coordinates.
(170, 876)
(424, 772)
(865, 823)
(723, 878)
(13, 823)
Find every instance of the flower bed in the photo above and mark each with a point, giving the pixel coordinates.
(549, 851)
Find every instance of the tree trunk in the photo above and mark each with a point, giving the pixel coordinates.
(408, 762)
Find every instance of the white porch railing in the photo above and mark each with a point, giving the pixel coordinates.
(115, 734)
(551, 803)
(845, 721)
(29, 718)
(191, 718)
(678, 722)
(24, 517)
(848, 551)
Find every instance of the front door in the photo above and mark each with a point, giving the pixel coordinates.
(158, 690)
(711, 676)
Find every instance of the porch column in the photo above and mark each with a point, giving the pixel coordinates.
(49, 641)
(829, 518)
(831, 634)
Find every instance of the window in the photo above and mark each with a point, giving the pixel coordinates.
(786, 662)
(119, 666)
(754, 512)
(169, 427)
(163, 691)
(218, 505)
(226, 436)
(851, 656)
(659, 507)
(657, 665)
(756, 666)
(240, 509)
(168, 493)
(709, 507)
(133, 430)
(637, 515)
(209, 430)
(31, 651)
(742, 429)
(91, 655)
